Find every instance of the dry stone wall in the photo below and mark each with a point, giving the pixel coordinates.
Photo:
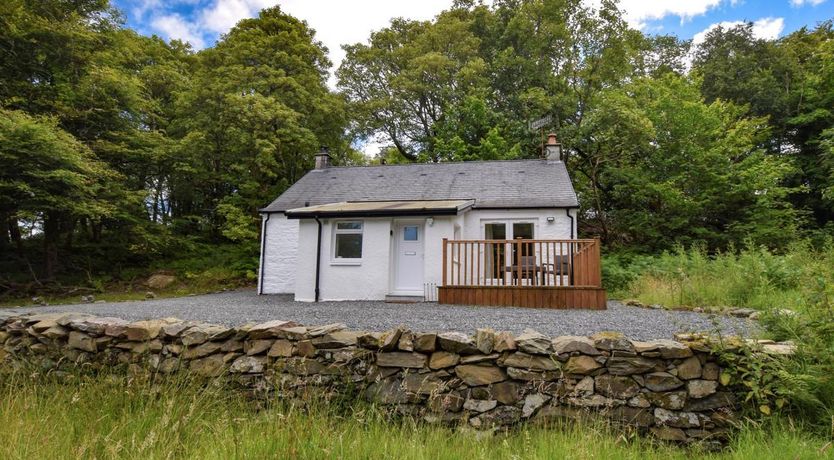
(491, 380)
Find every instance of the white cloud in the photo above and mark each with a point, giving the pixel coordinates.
(806, 2)
(173, 26)
(766, 28)
(638, 12)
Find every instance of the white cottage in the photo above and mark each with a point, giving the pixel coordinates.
(377, 232)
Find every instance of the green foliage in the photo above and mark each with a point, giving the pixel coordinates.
(752, 277)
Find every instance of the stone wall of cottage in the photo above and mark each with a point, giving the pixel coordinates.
(492, 380)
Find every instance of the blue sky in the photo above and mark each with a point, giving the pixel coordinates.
(348, 21)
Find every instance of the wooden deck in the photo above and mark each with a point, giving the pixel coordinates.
(561, 274)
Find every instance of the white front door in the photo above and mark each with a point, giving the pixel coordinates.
(408, 278)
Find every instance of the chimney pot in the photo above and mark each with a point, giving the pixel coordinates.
(323, 158)
(553, 149)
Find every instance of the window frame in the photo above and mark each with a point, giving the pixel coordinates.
(334, 260)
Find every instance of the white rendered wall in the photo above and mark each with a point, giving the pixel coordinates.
(559, 229)
(279, 254)
(367, 279)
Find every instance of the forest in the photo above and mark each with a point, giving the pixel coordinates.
(124, 154)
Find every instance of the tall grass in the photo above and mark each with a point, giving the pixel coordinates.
(751, 277)
(115, 417)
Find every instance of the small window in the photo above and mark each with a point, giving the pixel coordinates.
(410, 233)
(348, 240)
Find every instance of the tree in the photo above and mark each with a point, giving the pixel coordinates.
(48, 177)
(673, 169)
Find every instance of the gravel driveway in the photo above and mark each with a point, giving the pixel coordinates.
(238, 307)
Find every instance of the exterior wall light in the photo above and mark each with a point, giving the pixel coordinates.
(430, 221)
(551, 219)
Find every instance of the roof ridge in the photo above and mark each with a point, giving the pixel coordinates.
(517, 160)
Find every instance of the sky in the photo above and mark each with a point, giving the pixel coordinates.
(339, 22)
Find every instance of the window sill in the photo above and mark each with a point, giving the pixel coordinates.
(346, 262)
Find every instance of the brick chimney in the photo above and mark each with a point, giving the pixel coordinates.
(323, 158)
(553, 149)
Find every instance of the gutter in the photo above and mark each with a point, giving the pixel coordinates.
(318, 260)
(338, 214)
(263, 254)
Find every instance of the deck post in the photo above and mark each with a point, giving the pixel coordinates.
(445, 243)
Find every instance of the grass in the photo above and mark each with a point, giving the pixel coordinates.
(119, 417)
(797, 279)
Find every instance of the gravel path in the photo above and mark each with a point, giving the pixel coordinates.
(238, 307)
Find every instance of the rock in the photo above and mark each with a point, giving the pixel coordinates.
(389, 392)
(569, 344)
(584, 387)
(471, 359)
(176, 329)
(389, 340)
(611, 341)
(456, 342)
(443, 359)
(581, 365)
(293, 333)
(270, 329)
(500, 416)
(231, 345)
(783, 348)
(336, 339)
(532, 403)
(204, 349)
(280, 348)
(533, 376)
(210, 366)
(690, 368)
(640, 400)
(199, 333)
(710, 371)
(423, 384)
(478, 374)
(629, 365)
(616, 386)
(446, 402)
(318, 331)
(406, 342)
(662, 381)
(673, 400)
(630, 416)
(668, 349)
(401, 359)
(504, 341)
(248, 365)
(369, 340)
(701, 388)
(666, 433)
(425, 342)
(150, 295)
(114, 327)
(594, 400)
(81, 341)
(160, 281)
(506, 392)
(485, 340)
(55, 332)
(741, 312)
(169, 365)
(255, 347)
(525, 361)
(711, 402)
(479, 405)
(678, 419)
(533, 342)
(146, 330)
(305, 348)
(304, 366)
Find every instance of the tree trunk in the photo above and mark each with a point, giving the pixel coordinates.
(14, 234)
(51, 230)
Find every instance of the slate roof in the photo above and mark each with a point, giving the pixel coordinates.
(492, 184)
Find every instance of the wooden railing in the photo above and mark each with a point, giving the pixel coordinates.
(522, 263)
